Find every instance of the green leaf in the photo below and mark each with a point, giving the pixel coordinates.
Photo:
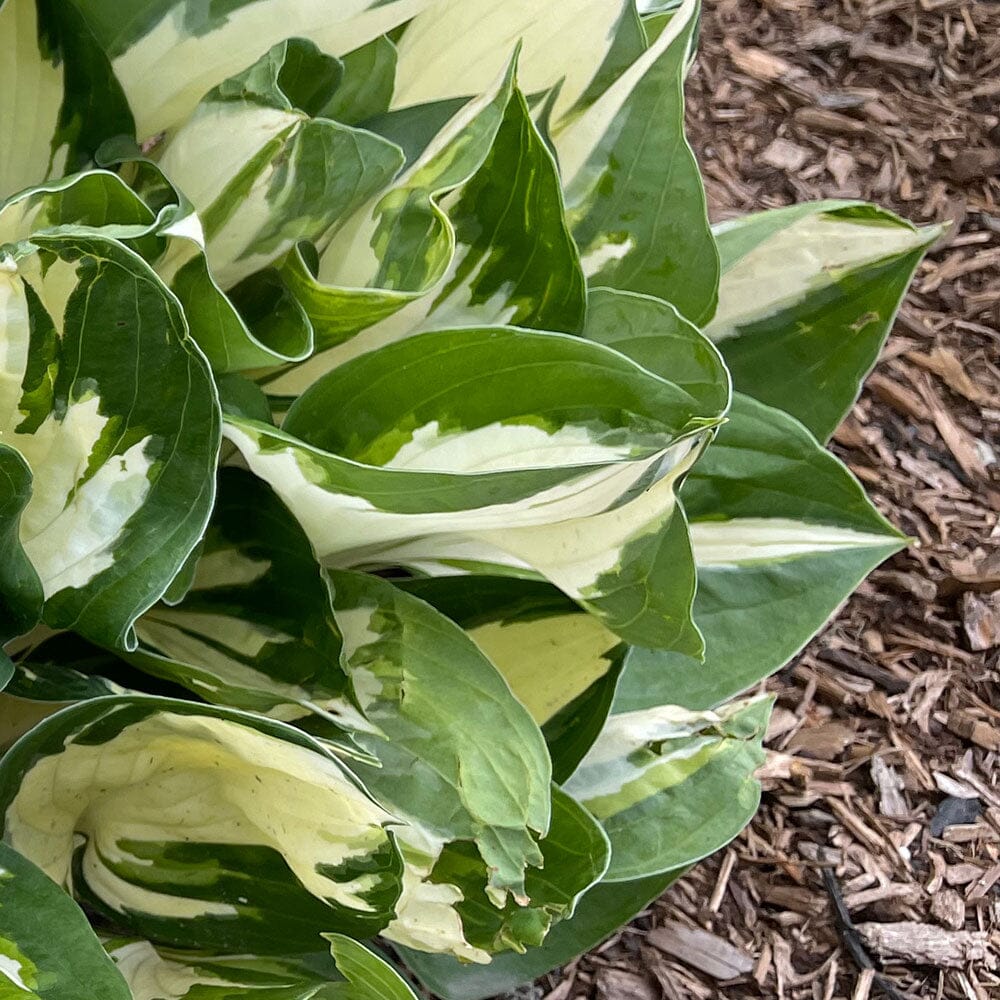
(47, 948)
(428, 695)
(601, 912)
(634, 197)
(61, 102)
(503, 221)
(201, 827)
(122, 455)
(365, 90)
(654, 334)
(562, 463)
(671, 786)
(782, 534)
(262, 173)
(157, 974)
(807, 299)
(195, 48)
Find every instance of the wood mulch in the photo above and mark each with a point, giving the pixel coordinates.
(873, 868)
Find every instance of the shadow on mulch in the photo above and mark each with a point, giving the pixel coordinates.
(878, 842)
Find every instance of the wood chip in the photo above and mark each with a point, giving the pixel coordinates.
(701, 950)
(785, 155)
(925, 944)
(890, 787)
(981, 620)
(948, 909)
(619, 984)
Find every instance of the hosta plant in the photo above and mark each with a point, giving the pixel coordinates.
(402, 485)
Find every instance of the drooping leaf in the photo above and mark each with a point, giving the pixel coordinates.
(807, 299)
(47, 948)
(562, 463)
(122, 455)
(634, 197)
(782, 534)
(671, 786)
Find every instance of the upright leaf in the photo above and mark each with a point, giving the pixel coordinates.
(634, 197)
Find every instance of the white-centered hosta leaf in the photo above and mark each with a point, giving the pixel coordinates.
(168, 55)
(513, 262)
(60, 100)
(807, 297)
(351, 973)
(21, 596)
(561, 663)
(455, 47)
(562, 464)
(782, 533)
(670, 786)
(263, 172)
(398, 246)
(428, 694)
(201, 827)
(634, 198)
(47, 948)
(113, 409)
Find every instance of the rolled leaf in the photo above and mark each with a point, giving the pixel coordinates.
(200, 827)
(807, 298)
(563, 464)
(47, 948)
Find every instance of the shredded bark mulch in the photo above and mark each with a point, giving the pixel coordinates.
(873, 868)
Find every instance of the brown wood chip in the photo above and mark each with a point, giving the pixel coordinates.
(926, 944)
(701, 950)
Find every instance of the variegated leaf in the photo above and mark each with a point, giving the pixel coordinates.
(47, 949)
(671, 786)
(168, 55)
(562, 464)
(507, 220)
(354, 973)
(807, 299)
(201, 827)
(399, 245)
(122, 455)
(782, 534)
(60, 100)
(454, 48)
(602, 911)
(634, 197)
(561, 663)
(263, 172)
